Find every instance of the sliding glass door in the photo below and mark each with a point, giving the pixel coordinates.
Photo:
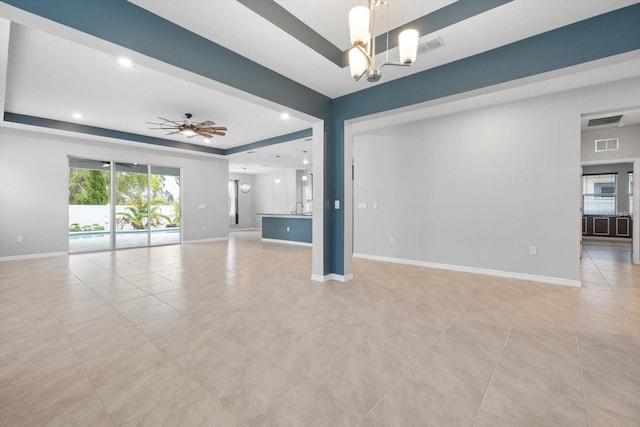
(165, 205)
(146, 209)
(89, 207)
(131, 195)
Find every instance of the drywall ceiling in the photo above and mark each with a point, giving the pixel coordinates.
(53, 71)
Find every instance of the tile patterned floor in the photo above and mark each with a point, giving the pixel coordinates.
(235, 333)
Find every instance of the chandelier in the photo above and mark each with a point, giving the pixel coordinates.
(362, 57)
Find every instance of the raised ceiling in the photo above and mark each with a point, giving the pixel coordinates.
(53, 71)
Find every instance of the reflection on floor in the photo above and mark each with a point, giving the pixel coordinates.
(235, 333)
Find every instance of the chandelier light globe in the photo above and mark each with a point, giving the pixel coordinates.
(357, 62)
(245, 187)
(408, 46)
(359, 25)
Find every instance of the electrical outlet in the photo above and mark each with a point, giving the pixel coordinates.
(19, 239)
(533, 250)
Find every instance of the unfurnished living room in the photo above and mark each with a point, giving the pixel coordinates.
(319, 213)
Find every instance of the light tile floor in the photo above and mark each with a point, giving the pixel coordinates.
(235, 333)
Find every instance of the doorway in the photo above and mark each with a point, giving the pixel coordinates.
(610, 170)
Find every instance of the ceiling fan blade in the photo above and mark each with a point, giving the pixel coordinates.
(169, 121)
(220, 128)
(218, 133)
(205, 135)
(206, 123)
(173, 133)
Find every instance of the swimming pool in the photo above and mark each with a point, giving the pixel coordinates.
(89, 241)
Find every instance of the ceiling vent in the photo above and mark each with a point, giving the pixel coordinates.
(610, 144)
(604, 121)
(432, 44)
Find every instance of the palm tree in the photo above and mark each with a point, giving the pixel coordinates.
(137, 214)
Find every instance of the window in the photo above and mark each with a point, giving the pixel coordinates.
(233, 202)
(599, 194)
(610, 144)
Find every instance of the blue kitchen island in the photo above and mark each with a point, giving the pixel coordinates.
(287, 228)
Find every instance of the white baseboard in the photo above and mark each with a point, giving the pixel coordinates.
(331, 277)
(231, 230)
(287, 242)
(31, 256)
(484, 271)
(213, 239)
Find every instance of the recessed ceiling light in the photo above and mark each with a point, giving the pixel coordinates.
(285, 115)
(125, 62)
(77, 116)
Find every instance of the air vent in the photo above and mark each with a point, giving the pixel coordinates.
(430, 45)
(610, 144)
(434, 43)
(604, 121)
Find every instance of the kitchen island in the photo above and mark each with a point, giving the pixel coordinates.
(287, 228)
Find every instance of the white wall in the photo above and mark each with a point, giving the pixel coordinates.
(246, 206)
(34, 171)
(629, 143)
(475, 190)
(275, 198)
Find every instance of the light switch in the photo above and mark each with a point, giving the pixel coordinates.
(336, 204)
(362, 205)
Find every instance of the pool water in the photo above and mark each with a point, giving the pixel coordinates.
(89, 241)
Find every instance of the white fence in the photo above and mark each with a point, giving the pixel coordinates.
(89, 215)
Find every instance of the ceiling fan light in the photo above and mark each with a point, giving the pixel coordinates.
(357, 62)
(408, 46)
(187, 131)
(359, 25)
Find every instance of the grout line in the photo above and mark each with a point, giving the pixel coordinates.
(495, 368)
(412, 365)
(584, 393)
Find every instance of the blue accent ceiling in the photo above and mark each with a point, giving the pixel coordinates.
(270, 141)
(109, 133)
(134, 137)
(441, 18)
(127, 25)
(135, 28)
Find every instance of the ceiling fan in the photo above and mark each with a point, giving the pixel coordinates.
(190, 129)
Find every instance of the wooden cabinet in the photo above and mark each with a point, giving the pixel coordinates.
(607, 226)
